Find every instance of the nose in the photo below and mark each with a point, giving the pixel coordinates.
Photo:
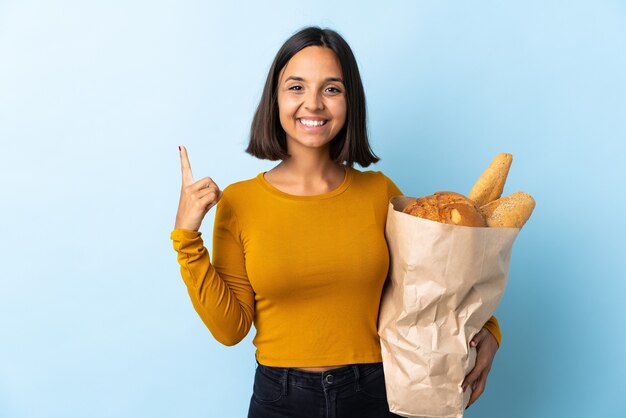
(313, 100)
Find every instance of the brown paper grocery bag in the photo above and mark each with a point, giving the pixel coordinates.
(445, 282)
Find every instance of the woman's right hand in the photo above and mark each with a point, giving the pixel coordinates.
(196, 198)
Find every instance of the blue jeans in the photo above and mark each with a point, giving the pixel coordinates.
(351, 391)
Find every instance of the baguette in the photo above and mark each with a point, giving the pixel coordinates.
(511, 211)
(490, 184)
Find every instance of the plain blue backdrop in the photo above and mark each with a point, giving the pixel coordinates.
(95, 98)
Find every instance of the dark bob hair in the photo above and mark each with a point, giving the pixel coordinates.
(350, 145)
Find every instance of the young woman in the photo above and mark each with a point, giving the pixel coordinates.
(300, 250)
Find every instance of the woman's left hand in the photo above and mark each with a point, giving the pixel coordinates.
(486, 347)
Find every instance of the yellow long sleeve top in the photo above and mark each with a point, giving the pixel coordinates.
(307, 270)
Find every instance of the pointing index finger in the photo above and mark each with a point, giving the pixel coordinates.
(185, 166)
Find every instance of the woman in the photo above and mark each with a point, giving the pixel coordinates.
(300, 249)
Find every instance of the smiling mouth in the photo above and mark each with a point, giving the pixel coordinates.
(312, 123)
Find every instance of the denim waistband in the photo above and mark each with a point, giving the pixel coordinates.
(334, 377)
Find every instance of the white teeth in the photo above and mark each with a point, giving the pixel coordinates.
(312, 122)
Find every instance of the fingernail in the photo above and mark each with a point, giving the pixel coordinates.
(179, 148)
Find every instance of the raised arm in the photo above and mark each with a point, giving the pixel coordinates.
(221, 294)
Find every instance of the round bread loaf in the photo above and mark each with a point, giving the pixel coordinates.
(447, 207)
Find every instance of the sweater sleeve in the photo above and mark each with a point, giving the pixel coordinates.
(220, 291)
(392, 189)
(494, 328)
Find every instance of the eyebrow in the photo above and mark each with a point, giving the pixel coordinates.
(296, 78)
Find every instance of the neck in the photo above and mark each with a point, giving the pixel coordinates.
(310, 165)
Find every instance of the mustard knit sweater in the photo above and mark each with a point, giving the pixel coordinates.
(308, 271)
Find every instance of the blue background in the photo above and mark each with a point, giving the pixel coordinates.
(95, 98)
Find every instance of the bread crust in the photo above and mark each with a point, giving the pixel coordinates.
(511, 211)
(490, 184)
(447, 207)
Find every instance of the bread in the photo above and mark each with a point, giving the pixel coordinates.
(447, 207)
(490, 184)
(483, 207)
(509, 212)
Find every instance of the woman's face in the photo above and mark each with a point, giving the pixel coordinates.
(311, 98)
